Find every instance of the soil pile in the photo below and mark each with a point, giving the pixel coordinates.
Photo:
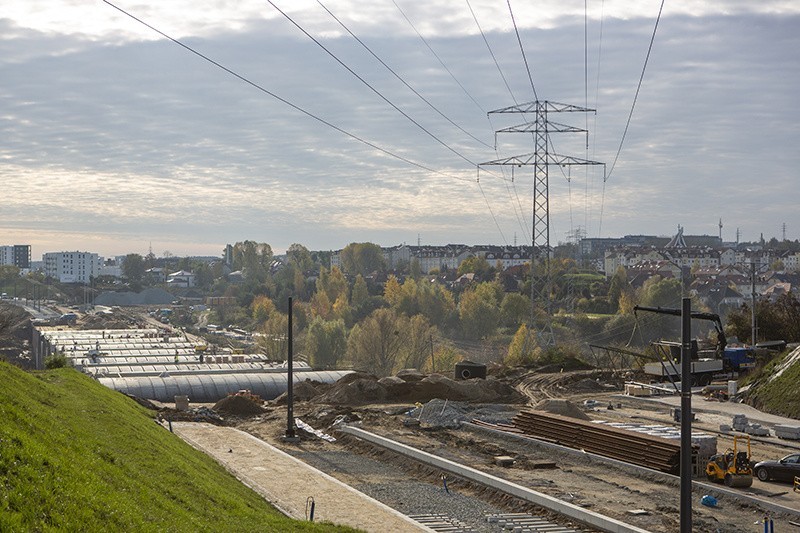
(240, 405)
(561, 407)
(412, 386)
(302, 391)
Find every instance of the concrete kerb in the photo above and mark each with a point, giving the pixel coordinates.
(662, 476)
(569, 510)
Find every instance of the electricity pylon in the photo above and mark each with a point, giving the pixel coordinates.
(541, 159)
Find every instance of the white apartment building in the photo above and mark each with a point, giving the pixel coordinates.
(72, 267)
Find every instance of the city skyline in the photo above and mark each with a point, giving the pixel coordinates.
(116, 138)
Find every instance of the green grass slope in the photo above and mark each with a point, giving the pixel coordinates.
(75, 456)
(777, 390)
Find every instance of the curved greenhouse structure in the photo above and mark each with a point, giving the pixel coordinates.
(210, 388)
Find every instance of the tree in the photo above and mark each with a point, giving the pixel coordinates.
(299, 255)
(514, 308)
(133, 268)
(375, 344)
(9, 272)
(254, 259)
(332, 283)
(658, 292)
(360, 292)
(261, 309)
(477, 265)
(362, 258)
(419, 335)
(326, 342)
(479, 310)
(274, 343)
(522, 349)
(392, 291)
(619, 284)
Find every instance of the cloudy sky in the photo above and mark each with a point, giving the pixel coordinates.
(114, 138)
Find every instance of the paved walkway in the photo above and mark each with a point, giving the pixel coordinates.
(287, 482)
(727, 408)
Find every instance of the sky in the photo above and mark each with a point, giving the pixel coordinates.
(115, 139)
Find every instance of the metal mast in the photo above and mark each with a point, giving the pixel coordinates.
(541, 159)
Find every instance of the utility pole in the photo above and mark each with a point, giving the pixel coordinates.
(541, 159)
(753, 322)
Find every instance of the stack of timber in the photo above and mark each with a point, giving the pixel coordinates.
(636, 448)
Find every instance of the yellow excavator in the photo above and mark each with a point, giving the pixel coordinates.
(733, 466)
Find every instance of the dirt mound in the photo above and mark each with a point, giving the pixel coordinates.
(358, 391)
(239, 405)
(366, 389)
(561, 407)
(302, 391)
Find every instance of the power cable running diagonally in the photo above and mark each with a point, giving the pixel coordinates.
(522, 49)
(283, 100)
(638, 88)
(367, 84)
(438, 58)
(485, 40)
(400, 78)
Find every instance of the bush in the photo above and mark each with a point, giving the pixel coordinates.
(57, 360)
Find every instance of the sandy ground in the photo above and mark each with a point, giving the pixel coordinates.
(602, 489)
(287, 482)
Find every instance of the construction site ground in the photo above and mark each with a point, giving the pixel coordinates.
(643, 500)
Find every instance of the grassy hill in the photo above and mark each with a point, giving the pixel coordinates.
(76, 456)
(777, 389)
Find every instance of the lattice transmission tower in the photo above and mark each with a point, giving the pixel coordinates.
(541, 159)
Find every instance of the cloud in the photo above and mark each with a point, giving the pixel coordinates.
(140, 140)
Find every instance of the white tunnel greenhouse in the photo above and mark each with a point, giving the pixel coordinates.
(210, 388)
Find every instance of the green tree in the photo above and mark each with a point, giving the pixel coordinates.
(479, 310)
(618, 286)
(8, 272)
(299, 255)
(514, 308)
(362, 258)
(375, 344)
(326, 342)
(133, 268)
(360, 293)
(658, 292)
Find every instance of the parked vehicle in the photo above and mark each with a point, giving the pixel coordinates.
(785, 469)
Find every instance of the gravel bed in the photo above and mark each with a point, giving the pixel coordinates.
(395, 488)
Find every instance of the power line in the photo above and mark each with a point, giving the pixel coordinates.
(400, 78)
(439, 58)
(367, 84)
(283, 100)
(478, 181)
(505, 81)
(638, 88)
(522, 49)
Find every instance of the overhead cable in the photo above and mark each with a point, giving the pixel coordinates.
(283, 100)
(522, 49)
(400, 78)
(638, 88)
(368, 85)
